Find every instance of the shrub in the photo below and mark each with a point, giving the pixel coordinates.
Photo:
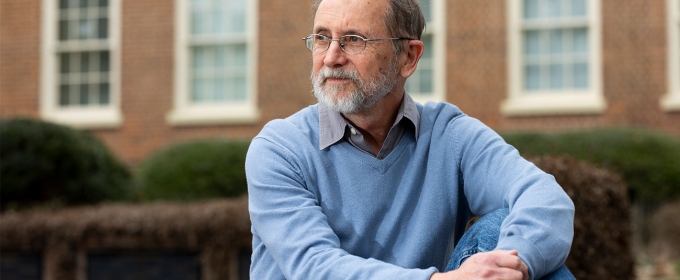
(48, 163)
(601, 248)
(648, 161)
(195, 170)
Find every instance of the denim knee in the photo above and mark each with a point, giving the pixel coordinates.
(482, 236)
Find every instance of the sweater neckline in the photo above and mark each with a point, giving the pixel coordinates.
(372, 161)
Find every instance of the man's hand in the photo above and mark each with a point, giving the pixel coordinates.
(489, 265)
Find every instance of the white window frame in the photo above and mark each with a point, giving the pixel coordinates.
(186, 114)
(671, 101)
(436, 28)
(106, 116)
(521, 103)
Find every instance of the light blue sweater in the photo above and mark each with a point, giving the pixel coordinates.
(339, 213)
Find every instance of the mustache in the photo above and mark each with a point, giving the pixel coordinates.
(325, 73)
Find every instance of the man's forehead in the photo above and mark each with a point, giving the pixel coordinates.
(350, 16)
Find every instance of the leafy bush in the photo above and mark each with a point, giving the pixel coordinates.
(48, 163)
(195, 170)
(600, 250)
(648, 161)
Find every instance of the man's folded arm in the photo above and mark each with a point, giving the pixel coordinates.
(540, 223)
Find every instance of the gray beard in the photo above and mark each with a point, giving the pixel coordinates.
(362, 97)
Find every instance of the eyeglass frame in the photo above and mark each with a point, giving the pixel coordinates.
(330, 39)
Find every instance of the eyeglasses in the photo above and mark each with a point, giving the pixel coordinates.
(349, 43)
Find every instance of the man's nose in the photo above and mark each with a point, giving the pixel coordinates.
(335, 56)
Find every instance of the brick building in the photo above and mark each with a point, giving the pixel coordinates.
(143, 74)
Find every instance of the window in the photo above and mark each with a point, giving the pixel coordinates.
(671, 102)
(554, 57)
(215, 52)
(80, 63)
(427, 82)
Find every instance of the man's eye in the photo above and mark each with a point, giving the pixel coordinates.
(354, 39)
(321, 38)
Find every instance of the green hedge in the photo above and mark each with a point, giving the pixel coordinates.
(48, 163)
(648, 161)
(194, 170)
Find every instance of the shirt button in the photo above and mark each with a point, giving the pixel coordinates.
(354, 131)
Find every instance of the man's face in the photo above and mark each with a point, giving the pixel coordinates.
(350, 83)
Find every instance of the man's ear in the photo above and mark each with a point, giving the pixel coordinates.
(413, 51)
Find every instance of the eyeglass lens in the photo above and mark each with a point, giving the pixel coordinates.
(349, 43)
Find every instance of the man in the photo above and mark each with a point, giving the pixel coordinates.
(367, 184)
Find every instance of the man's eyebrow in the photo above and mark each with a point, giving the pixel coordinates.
(321, 29)
(356, 32)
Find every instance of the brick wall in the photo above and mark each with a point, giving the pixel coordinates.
(633, 53)
(19, 57)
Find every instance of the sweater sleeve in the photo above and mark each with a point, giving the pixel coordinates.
(293, 233)
(540, 225)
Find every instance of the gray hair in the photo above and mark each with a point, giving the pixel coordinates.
(403, 18)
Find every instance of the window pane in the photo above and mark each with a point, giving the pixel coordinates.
(240, 89)
(86, 29)
(531, 42)
(75, 62)
(580, 39)
(84, 94)
(198, 90)
(102, 28)
(554, 8)
(530, 9)
(85, 62)
(239, 56)
(64, 63)
(63, 30)
(428, 51)
(219, 25)
(220, 56)
(200, 57)
(426, 81)
(412, 82)
(197, 17)
(104, 62)
(425, 6)
(581, 75)
(220, 89)
(556, 41)
(63, 4)
(104, 93)
(237, 14)
(63, 95)
(578, 8)
(532, 77)
(556, 76)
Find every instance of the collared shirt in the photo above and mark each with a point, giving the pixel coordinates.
(333, 127)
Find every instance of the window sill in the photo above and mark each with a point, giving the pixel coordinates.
(213, 115)
(537, 104)
(85, 117)
(671, 102)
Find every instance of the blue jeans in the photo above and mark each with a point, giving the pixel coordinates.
(483, 237)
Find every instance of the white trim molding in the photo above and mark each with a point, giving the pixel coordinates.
(436, 28)
(671, 101)
(567, 101)
(187, 113)
(105, 115)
